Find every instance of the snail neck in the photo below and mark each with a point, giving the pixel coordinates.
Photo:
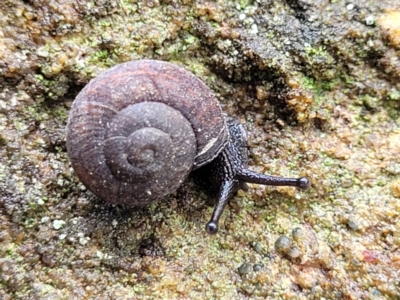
(230, 171)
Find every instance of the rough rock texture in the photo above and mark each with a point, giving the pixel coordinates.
(317, 84)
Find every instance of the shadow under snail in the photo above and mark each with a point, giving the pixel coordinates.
(137, 130)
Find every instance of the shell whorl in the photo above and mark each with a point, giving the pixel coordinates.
(136, 131)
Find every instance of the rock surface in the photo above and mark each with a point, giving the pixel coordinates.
(317, 84)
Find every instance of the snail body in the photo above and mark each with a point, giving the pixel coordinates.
(137, 130)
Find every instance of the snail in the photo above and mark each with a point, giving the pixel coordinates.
(137, 130)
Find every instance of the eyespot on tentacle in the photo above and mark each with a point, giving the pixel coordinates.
(304, 183)
(212, 228)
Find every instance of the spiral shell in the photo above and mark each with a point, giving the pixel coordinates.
(136, 131)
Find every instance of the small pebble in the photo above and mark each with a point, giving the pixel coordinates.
(254, 29)
(57, 224)
(45, 219)
(297, 233)
(370, 20)
(258, 267)
(353, 225)
(294, 252)
(283, 244)
(258, 248)
(245, 268)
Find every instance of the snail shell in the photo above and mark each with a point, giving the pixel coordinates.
(136, 131)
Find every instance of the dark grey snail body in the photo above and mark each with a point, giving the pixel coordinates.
(136, 131)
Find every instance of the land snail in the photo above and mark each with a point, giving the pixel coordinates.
(137, 130)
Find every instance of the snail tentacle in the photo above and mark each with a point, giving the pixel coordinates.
(253, 177)
(226, 190)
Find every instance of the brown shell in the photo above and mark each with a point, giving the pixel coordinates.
(136, 131)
